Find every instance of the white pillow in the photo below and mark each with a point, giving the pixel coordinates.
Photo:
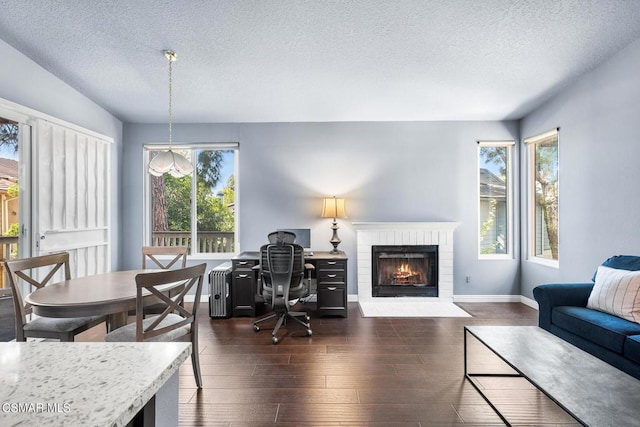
(617, 292)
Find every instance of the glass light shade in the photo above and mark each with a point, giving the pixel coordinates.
(333, 208)
(170, 162)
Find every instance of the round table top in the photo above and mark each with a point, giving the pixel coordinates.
(96, 295)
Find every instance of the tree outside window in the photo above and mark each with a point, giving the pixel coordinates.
(197, 211)
(544, 196)
(494, 198)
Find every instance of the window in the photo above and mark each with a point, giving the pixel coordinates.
(198, 210)
(543, 197)
(495, 199)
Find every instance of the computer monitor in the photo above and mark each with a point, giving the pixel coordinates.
(303, 236)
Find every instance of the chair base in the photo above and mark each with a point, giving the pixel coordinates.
(282, 320)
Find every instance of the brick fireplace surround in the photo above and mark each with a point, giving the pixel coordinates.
(407, 233)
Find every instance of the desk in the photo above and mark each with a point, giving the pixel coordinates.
(330, 271)
(90, 384)
(112, 294)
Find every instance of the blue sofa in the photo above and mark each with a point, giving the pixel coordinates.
(563, 312)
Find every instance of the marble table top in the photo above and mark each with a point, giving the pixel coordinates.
(82, 384)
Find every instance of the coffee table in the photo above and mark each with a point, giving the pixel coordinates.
(590, 390)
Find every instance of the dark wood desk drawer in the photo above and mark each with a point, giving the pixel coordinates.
(244, 287)
(244, 263)
(326, 264)
(331, 276)
(332, 300)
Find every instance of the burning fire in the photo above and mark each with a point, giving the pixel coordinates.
(404, 268)
(405, 274)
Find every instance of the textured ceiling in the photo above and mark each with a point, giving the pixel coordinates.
(319, 60)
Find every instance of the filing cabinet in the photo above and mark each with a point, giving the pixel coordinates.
(244, 287)
(332, 286)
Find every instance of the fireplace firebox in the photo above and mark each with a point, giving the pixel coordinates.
(404, 270)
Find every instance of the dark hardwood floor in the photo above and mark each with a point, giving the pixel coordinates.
(355, 371)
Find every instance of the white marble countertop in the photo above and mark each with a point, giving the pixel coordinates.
(82, 384)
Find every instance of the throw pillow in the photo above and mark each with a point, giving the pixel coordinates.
(616, 292)
(621, 262)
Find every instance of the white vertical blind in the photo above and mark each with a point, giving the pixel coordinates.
(72, 172)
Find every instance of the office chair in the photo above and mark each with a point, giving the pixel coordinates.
(282, 273)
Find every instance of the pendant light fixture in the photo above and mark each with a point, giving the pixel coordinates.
(175, 164)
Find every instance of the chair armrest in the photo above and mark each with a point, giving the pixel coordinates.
(559, 294)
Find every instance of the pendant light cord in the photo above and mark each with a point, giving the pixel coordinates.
(170, 103)
(171, 56)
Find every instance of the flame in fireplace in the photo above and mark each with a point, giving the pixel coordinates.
(405, 274)
(404, 268)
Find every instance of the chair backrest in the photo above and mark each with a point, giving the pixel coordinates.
(192, 277)
(281, 268)
(179, 254)
(29, 269)
(281, 236)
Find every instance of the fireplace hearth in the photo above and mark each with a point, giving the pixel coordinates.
(404, 270)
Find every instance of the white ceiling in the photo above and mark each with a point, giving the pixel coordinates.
(319, 60)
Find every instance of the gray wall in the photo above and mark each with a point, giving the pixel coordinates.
(24, 82)
(389, 171)
(599, 120)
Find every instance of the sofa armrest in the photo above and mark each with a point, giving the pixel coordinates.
(559, 294)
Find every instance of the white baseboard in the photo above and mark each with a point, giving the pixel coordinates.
(497, 298)
(486, 298)
(456, 298)
(479, 298)
(530, 302)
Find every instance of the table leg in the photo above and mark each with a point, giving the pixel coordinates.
(116, 320)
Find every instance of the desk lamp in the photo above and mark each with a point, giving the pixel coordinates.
(334, 208)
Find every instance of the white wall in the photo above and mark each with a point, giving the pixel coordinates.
(599, 120)
(387, 171)
(24, 82)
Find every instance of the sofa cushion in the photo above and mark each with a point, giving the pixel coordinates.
(632, 348)
(621, 262)
(616, 292)
(601, 328)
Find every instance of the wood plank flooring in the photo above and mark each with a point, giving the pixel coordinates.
(355, 372)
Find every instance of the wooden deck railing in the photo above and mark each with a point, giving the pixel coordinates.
(208, 241)
(8, 250)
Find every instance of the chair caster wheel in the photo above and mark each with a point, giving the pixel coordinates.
(274, 340)
(256, 328)
(309, 332)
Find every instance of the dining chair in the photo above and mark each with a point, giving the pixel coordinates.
(28, 270)
(179, 253)
(177, 322)
(149, 254)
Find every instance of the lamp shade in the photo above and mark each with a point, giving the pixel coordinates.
(170, 162)
(333, 208)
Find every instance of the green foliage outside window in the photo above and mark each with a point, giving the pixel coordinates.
(174, 209)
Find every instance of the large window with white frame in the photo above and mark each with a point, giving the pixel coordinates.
(197, 210)
(544, 197)
(495, 199)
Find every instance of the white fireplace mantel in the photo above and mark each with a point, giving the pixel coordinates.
(406, 233)
(395, 226)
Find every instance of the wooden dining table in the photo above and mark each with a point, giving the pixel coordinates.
(112, 294)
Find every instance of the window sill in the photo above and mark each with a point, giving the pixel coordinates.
(212, 256)
(496, 257)
(546, 262)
